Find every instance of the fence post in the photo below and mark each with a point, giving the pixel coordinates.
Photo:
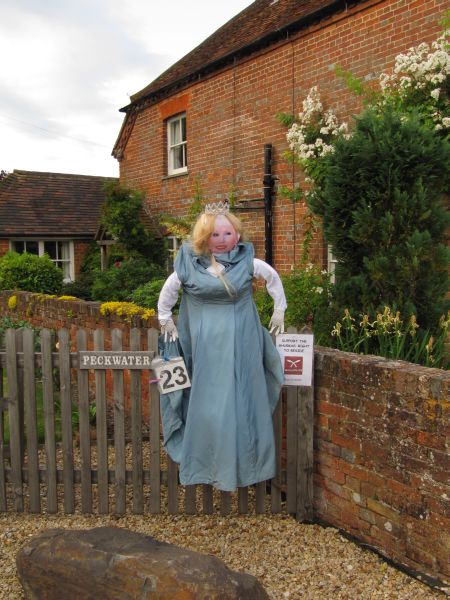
(119, 428)
(19, 350)
(31, 420)
(49, 419)
(66, 419)
(3, 405)
(136, 427)
(84, 428)
(102, 440)
(14, 419)
(155, 434)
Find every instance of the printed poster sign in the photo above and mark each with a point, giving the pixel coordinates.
(296, 353)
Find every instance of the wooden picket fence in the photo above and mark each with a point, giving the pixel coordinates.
(60, 472)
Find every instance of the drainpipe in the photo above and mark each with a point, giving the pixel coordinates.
(268, 183)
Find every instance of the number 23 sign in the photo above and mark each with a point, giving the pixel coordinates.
(172, 374)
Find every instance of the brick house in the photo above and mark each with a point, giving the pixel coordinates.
(210, 116)
(51, 213)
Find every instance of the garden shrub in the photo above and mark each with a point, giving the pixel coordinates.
(119, 282)
(379, 190)
(147, 295)
(30, 273)
(121, 215)
(307, 291)
(381, 203)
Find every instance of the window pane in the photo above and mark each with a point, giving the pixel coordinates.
(183, 128)
(50, 249)
(64, 250)
(18, 247)
(175, 133)
(32, 247)
(66, 270)
(177, 154)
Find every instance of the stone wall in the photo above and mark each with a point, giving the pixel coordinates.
(382, 432)
(381, 441)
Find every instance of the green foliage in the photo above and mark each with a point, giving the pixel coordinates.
(122, 217)
(9, 323)
(356, 85)
(307, 291)
(147, 295)
(381, 202)
(118, 283)
(286, 119)
(30, 273)
(387, 334)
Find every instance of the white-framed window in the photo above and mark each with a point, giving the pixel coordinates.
(61, 253)
(172, 244)
(332, 262)
(176, 145)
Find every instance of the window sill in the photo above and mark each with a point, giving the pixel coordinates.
(183, 174)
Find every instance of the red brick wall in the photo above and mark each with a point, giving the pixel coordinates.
(381, 456)
(381, 441)
(79, 250)
(4, 247)
(231, 115)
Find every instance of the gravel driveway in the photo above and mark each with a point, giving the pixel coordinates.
(292, 560)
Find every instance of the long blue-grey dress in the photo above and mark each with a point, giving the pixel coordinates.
(220, 430)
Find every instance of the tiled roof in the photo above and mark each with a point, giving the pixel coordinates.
(258, 25)
(33, 203)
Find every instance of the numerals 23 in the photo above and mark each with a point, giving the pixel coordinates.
(178, 374)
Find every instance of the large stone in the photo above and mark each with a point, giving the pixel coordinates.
(111, 563)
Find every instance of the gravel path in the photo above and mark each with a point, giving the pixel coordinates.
(290, 559)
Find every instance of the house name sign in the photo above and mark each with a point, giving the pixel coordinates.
(105, 359)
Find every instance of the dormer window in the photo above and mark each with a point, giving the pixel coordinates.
(176, 145)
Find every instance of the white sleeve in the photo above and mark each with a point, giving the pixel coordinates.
(168, 297)
(261, 270)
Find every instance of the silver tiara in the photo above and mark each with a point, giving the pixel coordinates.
(217, 208)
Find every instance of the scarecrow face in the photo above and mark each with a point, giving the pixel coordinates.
(224, 237)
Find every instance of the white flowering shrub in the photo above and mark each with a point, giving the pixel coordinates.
(420, 81)
(312, 134)
(378, 188)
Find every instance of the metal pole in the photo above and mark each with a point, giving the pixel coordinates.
(268, 193)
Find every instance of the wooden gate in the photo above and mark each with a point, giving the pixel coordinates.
(90, 440)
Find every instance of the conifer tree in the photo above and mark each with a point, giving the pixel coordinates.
(382, 202)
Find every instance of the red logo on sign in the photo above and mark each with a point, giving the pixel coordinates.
(293, 365)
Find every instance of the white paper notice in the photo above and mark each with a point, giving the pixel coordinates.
(296, 351)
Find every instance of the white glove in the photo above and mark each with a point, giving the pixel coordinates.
(169, 329)
(276, 324)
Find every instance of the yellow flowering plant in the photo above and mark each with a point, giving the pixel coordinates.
(12, 302)
(391, 336)
(128, 310)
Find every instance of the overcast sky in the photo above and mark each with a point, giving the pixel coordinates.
(67, 66)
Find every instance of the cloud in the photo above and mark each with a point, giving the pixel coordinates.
(68, 67)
